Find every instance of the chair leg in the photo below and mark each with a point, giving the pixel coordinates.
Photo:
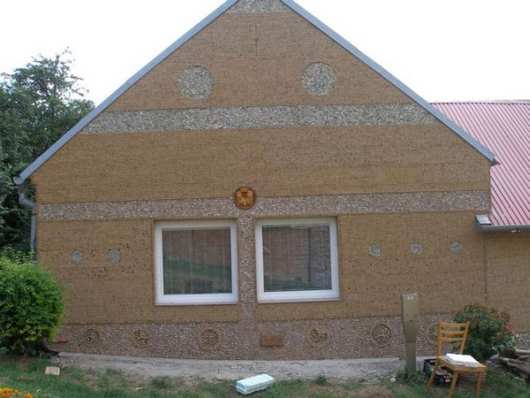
(431, 378)
(479, 380)
(453, 385)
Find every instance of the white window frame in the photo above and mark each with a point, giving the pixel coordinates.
(194, 299)
(303, 295)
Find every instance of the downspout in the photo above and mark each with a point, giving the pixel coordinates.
(28, 203)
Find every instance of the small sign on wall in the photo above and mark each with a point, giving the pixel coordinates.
(271, 341)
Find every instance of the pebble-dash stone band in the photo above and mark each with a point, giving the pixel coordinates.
(258, 118)
(271, 207)
(307, 339)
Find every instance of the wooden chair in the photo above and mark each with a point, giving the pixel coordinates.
(455, 335)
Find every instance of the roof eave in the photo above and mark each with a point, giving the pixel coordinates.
(504, 228)
(484, 224)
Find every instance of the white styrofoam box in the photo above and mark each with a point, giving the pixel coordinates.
(254, 384)
(52, 371)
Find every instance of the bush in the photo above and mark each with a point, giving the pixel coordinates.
(489, 331)
(9, 253)
(30, 306)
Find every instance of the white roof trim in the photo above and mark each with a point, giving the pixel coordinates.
(203, 24)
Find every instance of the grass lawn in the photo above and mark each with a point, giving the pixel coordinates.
(27, 375)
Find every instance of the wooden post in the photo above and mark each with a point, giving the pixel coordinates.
(409, 314)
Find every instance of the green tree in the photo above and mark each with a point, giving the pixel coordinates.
(38, 103)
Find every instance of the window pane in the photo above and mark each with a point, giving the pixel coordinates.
(197, 261)
(296, 258)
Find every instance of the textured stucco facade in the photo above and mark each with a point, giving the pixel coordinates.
(508, 273)
(261, 98)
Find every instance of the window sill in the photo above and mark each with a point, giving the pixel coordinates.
(194, 301)
(287, 300)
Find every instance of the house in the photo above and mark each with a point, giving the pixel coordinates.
(262, 189)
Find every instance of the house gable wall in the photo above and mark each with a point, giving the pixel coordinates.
(260, 127)
(259, 60)
(365, 153)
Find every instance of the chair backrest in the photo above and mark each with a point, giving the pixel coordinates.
(454, 334)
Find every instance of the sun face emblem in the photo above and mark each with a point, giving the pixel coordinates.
(245, 198)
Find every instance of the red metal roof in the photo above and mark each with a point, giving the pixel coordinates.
(503, 127)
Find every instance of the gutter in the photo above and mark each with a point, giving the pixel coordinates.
(29, 204)
(484, 224)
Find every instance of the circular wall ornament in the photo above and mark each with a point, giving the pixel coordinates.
(319, 79)
(245, 198)
(416, 248)
(456, 247)
(76, 257)
(196, 83)
(209, 339)
(139, 338)
(432, 333)
(317, 337)
(91, 336)
(375, 250)
(114, 256)
(381, 334)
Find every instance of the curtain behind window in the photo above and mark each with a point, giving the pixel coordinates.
(197, 261)
(296, 258)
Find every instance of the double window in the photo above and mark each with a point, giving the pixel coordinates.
(196, 262)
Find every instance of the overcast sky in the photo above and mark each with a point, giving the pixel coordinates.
(444, 50)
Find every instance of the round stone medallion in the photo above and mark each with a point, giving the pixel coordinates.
(432, 333)
(381, 334)
(196, 83)
(91, 336)
(375, 250)
(76, 257)
(456, 247)
(416, 248)
(114, 256)
(209, 339)
(139, 339)
(319, 79)
(317, 337)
